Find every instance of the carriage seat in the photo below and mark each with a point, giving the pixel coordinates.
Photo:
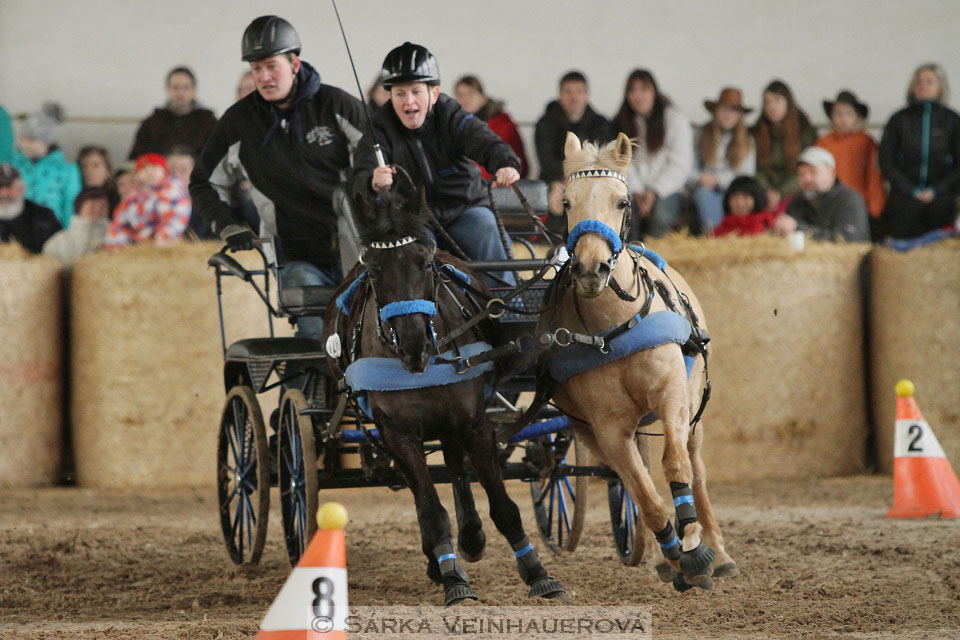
(275, 349)
(506, 200)
(306, 301)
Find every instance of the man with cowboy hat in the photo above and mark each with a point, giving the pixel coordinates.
(854, 150)
(724, 150)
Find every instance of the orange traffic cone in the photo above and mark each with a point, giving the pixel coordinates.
(924, 483)
(312, 604)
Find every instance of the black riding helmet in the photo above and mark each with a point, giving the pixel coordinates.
(409, 63)
(269, 36)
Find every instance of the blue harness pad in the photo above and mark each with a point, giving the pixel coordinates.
(388, 374)
(650, 255)
(658, 328)
(345, 298)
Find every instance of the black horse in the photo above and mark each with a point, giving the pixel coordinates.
(406, 297)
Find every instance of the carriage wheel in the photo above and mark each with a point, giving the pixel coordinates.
(243, 476)
(560, 505)
(297, 470)
(625, 518)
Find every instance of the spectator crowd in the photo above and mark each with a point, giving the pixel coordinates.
(734, 173)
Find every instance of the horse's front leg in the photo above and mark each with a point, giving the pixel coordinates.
(436, 540)
(506, 515)
(471, 541)
(674, 411)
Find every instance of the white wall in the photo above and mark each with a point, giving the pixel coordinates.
(109, 57)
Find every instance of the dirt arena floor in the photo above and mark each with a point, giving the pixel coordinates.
(817, 560)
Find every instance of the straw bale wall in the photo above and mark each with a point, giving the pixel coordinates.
(915, 333)
(147, 382)
(786, 359)
(31, 368)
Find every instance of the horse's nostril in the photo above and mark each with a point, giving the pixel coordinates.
(577, 269)
(602, 270)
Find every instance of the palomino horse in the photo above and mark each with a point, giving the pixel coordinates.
(403, 300)
(649, 305)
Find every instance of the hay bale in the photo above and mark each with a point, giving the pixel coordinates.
(787, 355)
(915, 330)
(147, 382)
(31, 405)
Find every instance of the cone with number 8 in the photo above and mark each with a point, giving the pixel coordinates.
(924, 483)
(312, 604)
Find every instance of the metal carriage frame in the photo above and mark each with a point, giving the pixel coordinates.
(312, 430)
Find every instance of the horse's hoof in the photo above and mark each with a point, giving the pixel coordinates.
(665, 572)
(433, 571)
(476, 554)
(547, 588)
(458, 593)
(727, 570)
(682, 585)
(697, 562)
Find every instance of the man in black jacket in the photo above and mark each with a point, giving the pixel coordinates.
(431, 136)
(825, 208)
(294, 137)
(571, 111)
(21, 220)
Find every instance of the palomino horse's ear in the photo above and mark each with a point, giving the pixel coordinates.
(624, 151)
(572, 145)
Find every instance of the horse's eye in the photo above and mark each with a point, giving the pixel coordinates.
(566, 205)
(623, 204)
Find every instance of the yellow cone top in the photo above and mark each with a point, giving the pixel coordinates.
(904, 388)
(332, 515)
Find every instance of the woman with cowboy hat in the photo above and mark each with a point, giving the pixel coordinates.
(724, 150)
(854, 150)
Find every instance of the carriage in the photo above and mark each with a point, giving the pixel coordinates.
(315, 440)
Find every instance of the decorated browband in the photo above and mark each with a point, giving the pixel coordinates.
(597, 173)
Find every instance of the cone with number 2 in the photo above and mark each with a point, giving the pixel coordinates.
(924, 483)
(312, 604)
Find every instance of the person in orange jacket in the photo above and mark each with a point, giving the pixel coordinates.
(854, 150)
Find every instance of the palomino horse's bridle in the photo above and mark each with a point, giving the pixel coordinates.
(615, 240)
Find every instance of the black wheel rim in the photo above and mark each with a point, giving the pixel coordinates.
(238, 462)
(624, 516)
(293, 493)
(553, 499)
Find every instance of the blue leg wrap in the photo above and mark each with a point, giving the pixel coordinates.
(683, 502)
(669, 542)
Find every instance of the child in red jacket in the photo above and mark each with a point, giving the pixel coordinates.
(469, 93)
(744, 206)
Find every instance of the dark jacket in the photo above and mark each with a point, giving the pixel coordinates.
(439, 155)
(551, 135)
(164, 129)
(295, 158)
(31, 228)
(920, 149)
(837, 214)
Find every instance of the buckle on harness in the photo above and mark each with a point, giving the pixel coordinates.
(566, 341)
(460, 365)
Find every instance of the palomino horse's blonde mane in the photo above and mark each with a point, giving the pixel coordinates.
(592, 156)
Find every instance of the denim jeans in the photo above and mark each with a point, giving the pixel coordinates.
(475, 231)
(298, 273)
(709, 204)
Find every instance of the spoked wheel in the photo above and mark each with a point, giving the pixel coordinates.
(559, 504)
(297, 471)
(243, 476)
(625, 518)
